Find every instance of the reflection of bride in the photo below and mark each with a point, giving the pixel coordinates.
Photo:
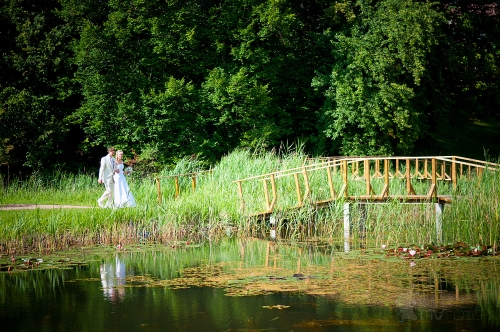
(123, 196)
(113, 279)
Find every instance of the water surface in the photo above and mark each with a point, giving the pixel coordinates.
(248, 285)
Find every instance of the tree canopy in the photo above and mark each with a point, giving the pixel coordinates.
(202, 77)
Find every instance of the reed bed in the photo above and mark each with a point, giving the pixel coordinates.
(213, 209)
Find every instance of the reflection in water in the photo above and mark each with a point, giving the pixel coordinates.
(113, 279)
(208, 287)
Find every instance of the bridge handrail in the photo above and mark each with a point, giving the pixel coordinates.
(338, 161)
(443, 158)
(434, 175)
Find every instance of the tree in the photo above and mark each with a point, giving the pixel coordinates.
(238, 112)
(245, 65)
(375, 98)
(471, 65)
(36, 94)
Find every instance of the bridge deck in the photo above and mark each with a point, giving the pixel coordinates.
(364, 199)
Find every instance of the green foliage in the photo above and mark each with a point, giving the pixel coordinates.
(374, 100)
(35, 92)
(201, 78)
(169, 119)
(189, 79)
(471, 66)
(240, 111)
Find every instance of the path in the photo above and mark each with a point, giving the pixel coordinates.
(36, 206)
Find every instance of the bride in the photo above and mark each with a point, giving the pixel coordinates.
(123, 196)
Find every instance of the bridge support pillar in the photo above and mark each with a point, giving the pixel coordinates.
(272, 223)
(348, 224)
(362, 224)
(439, 222)
(347, 227)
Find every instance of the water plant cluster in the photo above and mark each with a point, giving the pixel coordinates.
(213, 210)
(456, 250)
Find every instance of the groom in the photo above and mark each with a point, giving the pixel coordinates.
(108, 168)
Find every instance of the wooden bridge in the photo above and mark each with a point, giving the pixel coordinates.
(319, 182)
(353, 170)
(360, 181)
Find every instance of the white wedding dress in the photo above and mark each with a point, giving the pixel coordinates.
(123, 196)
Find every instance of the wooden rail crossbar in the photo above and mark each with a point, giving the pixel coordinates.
(430, 169)
(193, 176)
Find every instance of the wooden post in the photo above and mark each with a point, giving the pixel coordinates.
(367, 177)
(176, 180)
(297, 189)
(385, 190)
(273, 189)
(433, 190)
(158, 187)
(344, 177)
(434, 178)
(408, 177)
(454, 173)
(426, 173)
(386, 175)
(193, 182)
(306, 183)
(377, 169)
(266, 195)
(240, 193)
(240, 189)
(388, 165)
(397, 168)
(330, 182)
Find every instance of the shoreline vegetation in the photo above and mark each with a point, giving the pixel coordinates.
(212, 211)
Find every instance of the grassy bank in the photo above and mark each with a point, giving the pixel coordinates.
(212, 210)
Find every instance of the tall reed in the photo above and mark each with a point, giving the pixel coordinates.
(213, 209)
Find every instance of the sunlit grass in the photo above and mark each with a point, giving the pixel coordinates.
(213, 209)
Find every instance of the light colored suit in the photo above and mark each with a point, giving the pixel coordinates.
(106, 172)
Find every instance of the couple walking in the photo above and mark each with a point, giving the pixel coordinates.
(111, 173)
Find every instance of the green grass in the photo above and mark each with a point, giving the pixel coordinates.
(213, 210)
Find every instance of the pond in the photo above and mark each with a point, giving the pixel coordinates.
(247, 285)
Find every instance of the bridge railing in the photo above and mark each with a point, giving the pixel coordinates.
(421, 169)
(361, 178)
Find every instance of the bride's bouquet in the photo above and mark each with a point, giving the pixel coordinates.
(128, 170)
